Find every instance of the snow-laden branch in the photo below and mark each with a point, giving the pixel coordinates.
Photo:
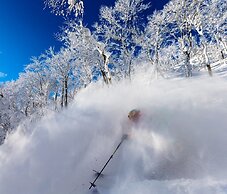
(66, 7)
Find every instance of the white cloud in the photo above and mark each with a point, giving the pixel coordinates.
(2, 74)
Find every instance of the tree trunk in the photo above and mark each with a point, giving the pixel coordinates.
(62, 95)
(56, 96)
(26, 110)
(66, 91)
(55, 100)
(105, 79)
(108, 75)
(156, 61)
(188, 66)
(130, 69)
(209, 69)
(207, 61)
(222, 45)
(224, 49)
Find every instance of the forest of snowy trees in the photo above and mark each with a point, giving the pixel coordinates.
(182, 38)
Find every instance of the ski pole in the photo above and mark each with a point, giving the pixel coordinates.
(99, 173)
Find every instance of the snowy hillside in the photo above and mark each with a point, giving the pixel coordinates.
(220, 68)
(179, 145)
(67, 113)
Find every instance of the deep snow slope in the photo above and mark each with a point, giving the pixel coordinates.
(179, 146)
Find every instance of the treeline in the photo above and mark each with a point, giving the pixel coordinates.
(186, 36)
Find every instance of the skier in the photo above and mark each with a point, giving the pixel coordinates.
(134, 118)
(134, 115)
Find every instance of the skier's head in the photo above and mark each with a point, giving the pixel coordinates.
(134, 115)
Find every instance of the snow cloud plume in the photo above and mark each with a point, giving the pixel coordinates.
(179, 145)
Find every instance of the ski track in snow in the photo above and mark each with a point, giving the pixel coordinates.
(180, 145)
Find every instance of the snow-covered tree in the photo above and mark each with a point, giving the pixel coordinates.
(90, 55)
(205, 18)
(155, 38)
(182, 22)
(196, 24)
(41, 79)
(105, 55)
(119, 29)
(61, 67)
(212, 30)
(15, 102)
(3, 115)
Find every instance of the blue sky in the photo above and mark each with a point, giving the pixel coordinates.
(27, 29)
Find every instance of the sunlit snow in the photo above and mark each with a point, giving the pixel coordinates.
(179, 146)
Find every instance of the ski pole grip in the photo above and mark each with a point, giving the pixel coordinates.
(124, 136)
